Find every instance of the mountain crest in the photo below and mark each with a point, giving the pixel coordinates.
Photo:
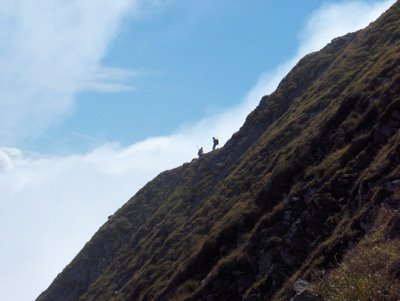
(312, 173)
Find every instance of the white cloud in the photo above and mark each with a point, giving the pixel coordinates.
(6, 163)
(48, 51)
(108, 80)
(50, 206)
(347, 16)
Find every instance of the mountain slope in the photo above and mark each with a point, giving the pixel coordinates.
(289, 193)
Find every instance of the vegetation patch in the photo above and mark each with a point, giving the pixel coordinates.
(370, 271)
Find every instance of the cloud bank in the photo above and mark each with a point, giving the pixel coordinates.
(50, 206)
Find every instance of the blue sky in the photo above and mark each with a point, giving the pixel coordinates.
(97, 97)
(186, 60)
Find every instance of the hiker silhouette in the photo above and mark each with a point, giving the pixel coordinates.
(215, 142)
(200, 153)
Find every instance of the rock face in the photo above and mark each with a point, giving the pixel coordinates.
(302, 289)
(286, 196)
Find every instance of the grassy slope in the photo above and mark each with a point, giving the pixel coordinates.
(371, 270)
(287, 195)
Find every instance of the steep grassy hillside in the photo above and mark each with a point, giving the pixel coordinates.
(288, 195)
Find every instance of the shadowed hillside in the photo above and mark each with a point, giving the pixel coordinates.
(293, 191)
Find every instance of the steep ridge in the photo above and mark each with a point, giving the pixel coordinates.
(297, 186)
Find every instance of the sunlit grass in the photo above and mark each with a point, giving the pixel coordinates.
(368, 272)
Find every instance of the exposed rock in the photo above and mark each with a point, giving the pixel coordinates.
(393, 123)
(244, 282)
(393, 231)
(386, 80)
(384, 130)
(213, 297)
(237, 273)
(396, 115)
(301, 285)
(252, 297)
(289, 256)
(391, 203)
(310, 192)
(222, 249)
(393, 186)
(287, 215)
(306, 296)
(302, 288)
(265, 260)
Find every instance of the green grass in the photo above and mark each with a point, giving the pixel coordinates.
(370, 271)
